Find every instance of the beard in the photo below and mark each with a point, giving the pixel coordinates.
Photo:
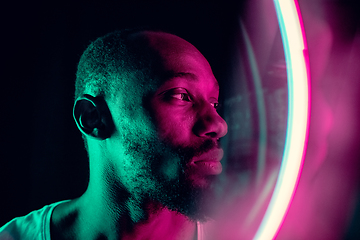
(158, 173)
(184, 198)
(182, 194)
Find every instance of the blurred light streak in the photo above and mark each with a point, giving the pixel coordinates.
(298, 117)
(260, 101)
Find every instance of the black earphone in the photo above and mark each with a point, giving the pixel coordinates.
(93, 117)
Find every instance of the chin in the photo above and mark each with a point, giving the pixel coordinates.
(205, 183)
(191, 197)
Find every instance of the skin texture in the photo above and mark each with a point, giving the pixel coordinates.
(150, 178)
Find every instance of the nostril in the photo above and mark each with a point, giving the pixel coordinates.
(211, 134)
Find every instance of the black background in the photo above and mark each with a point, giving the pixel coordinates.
(42, 155)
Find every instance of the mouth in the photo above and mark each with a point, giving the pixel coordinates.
(208, 163)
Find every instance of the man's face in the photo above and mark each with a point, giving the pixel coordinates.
(184, 108)
(173, 154)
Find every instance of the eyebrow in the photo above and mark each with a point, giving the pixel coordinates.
(189, 76)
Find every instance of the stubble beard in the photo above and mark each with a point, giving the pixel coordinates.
(183, 195)
(179, 194)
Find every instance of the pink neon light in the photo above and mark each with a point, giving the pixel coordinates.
(284, 191)
(307, 63)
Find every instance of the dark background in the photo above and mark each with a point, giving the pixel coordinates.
(42, 155)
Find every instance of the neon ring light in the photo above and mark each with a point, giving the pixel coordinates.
(297, 65)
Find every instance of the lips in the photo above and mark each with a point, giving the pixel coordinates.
(208, 163)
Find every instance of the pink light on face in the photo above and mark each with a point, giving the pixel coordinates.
(292, 32)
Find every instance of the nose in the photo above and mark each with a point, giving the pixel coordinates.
(210, 124)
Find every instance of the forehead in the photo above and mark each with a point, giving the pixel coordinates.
(180, 58)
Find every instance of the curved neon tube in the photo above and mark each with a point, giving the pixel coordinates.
(297, 65)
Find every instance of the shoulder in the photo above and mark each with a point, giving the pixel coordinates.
(35, 225)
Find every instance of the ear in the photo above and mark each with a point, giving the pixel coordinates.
(93, 117)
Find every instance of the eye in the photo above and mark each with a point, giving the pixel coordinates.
(216, 105)
(177, 94)
(181, 96)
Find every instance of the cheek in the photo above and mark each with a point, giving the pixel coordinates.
(174, 127)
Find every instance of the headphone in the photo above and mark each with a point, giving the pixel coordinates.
(92, 116)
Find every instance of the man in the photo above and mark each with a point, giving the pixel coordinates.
(146, 106)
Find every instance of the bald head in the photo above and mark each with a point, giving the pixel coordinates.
(175, 51)
(109, 61)
(123, 59)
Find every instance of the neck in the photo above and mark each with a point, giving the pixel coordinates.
(108, 210)
(99, 216)
(163, 224)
